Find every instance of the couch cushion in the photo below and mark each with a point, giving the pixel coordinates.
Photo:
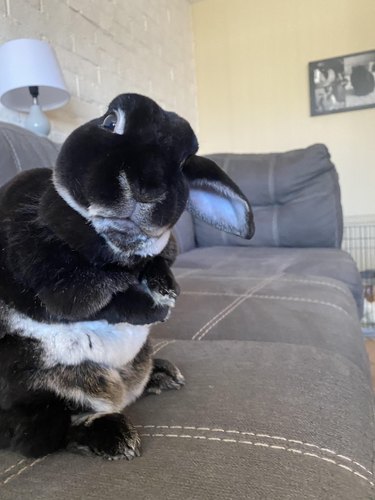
(23, 150)
(284, 308)
(242, 263)
(254, 421)
(295, 197)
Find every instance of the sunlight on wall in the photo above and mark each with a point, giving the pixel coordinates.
(252, 78)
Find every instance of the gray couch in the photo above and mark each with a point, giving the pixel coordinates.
(278, 402)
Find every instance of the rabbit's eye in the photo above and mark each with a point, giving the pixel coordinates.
(110, 122)
(115, 122)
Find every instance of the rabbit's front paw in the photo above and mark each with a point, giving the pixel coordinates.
(111, 436)
(164, 376)
(162, 285)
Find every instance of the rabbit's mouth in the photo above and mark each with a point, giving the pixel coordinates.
(125, 226)
(125, 236)
(103, 224)
(124, 245)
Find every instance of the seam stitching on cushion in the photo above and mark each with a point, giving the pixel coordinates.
(301, 299)
(234, 306)
(202, 332)
(322, 194)
(227, 308)
(223, 235)
(275, 225)
(335, 188)
(263, 445)
(14, 153)
(243, 297)
(271, 191)
(258, 435)
(157, 344)
(317, 282)
(233, 294)
(289, 280)
(21, 471)
(13, 466)
(161, 346)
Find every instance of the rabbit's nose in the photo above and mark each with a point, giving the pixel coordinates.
(142, 190)
(151, 195)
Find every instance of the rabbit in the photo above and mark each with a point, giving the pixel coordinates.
(85, 271)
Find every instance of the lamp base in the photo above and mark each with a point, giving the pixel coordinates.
(37, 121)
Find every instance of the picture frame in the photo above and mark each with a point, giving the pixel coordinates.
(344, 83)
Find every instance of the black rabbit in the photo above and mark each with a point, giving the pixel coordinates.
(84, 272)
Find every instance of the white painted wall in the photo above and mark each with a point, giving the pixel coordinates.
(107, 47)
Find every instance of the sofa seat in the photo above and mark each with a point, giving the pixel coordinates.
(247, 262)
(256, 420)
(284, 308)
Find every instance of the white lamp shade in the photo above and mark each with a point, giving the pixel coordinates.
(27, 62)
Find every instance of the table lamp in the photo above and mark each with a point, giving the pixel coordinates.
(31, 80)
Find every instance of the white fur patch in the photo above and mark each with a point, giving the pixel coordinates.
(163, 300)
(72, 343)
(121, 121)
(152, 246)
(160, 299)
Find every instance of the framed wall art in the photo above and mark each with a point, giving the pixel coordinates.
(343, 83)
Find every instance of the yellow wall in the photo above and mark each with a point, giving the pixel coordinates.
(253, 95)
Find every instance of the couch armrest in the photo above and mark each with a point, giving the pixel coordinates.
(21, 150)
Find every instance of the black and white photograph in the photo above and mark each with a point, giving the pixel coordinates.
(345, 83)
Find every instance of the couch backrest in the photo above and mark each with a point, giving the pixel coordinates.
(21, 149)
(295, 197)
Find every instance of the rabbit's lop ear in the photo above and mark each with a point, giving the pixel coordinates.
(216, 199)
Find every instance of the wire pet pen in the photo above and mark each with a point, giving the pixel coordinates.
(359, 242)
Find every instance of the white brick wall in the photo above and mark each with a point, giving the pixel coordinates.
(106, 47)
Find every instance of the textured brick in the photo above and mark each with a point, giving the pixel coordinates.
(16, 6)
(108, 47)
